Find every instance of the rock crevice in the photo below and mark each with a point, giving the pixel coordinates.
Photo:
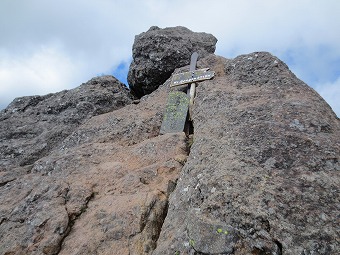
(73, 216)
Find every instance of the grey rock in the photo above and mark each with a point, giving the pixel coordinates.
(264, 166)
(158, 52)
(32, 126)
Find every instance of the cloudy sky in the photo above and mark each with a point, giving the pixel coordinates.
(47, 45)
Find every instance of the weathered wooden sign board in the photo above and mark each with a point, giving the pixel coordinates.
(179, 103)
(175, 112)
(190, 77)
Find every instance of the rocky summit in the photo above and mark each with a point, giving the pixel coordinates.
(158, 52)
(86, 171)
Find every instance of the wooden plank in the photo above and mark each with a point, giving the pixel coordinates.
(175, 113)
(192, 86)
(193, 61)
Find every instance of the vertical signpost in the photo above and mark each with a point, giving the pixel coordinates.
(179, 103)
(192, 86)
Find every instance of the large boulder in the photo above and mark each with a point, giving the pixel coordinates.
(157, 52)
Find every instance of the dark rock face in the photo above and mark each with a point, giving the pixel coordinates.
(32, 126)
(262, 176)
(158, 52)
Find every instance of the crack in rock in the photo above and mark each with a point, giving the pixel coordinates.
(151, 222)
(7, 181)
(73, 217)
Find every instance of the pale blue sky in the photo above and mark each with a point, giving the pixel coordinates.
(47, 46)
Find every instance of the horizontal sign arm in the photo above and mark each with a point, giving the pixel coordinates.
(190, 77)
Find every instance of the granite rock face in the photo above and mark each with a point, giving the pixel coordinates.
(262, 176)
(158, 52)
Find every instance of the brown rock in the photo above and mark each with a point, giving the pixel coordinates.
(104, 190)
(131, 186)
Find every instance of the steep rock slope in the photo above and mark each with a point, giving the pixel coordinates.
(102, 190)
(262, 176)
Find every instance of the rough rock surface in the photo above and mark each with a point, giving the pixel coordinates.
(32, 126)
(262, 176)
(158, 52)
(102, 190)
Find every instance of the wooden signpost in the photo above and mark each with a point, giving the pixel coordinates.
(191, 91)
(175, 112)
(179, 103)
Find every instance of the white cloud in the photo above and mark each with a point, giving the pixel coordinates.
(39, 73)
(330, 91)
(47, 46)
